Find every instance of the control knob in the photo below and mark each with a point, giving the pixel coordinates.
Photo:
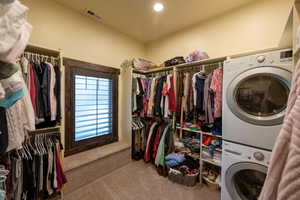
(261, 59)
(259, 156)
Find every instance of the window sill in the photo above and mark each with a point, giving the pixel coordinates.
(83, 158)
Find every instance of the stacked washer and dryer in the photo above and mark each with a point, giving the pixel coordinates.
(255, 94)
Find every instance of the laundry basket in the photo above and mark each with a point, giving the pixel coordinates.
(187, 180)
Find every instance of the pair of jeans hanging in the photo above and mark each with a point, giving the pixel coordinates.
(3, 174)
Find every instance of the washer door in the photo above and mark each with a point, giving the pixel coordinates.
(259, 96)
(244, 181)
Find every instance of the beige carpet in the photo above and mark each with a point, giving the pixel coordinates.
(139, 181)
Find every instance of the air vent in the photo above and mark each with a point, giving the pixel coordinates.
(93, 14)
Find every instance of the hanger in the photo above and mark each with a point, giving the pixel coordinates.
(42, 139)
(27, 150)
(31, 146)
(36, 145)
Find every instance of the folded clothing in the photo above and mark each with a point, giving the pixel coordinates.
(7, 70)
(196, 55)
(142, 64)
(3, 131)
(174, 159)
(174, 61)
(192, 144)
(171, 163)
(12, 19)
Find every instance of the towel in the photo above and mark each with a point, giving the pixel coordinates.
(283, 178)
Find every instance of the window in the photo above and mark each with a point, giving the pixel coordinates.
(91, 105)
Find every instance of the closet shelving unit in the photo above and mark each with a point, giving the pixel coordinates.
(56, 54)
(60, 127)
(176, 68)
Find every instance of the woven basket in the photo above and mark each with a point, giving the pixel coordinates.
(187, 180)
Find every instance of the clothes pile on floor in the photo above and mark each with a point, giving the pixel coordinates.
(183, 164)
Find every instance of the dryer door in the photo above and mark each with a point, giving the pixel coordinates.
(244, 180)
(259, 96)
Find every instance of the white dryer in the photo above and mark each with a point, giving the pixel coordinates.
(244, 170)
(255, 94)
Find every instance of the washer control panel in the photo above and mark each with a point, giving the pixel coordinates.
(246, 153)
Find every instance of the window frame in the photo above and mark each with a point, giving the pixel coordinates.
(75, 67)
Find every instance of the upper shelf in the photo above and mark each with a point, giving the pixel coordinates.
(184, 65)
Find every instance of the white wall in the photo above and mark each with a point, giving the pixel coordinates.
(82, 38)
(253, 27)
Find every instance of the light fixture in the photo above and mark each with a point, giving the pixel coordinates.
(158, 7)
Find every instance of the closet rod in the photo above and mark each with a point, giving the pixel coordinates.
(57, 133)
(201, 66)
(39, 55)
(45, 130)
(139, 72)
(183, 66)
(201, 62)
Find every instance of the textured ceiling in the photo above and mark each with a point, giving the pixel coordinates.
(137, 18)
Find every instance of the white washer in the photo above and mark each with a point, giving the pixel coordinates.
(244, 170)
(255, 94)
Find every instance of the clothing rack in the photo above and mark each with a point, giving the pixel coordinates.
(201, 67)
(39, 54)
(40, 57)
(55, 130)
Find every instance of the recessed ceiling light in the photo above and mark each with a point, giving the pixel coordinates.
(158, 7)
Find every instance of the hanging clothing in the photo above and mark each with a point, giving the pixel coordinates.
(208, 100)
(138, 139)
(3, 131)
(16, 122)
(133, 92)
(186, 89)
(199, 89)
(152, 131)
(53, 101)
(32, 86)
(20, 118)
(160, 156)
(282, 182)
(158, 96)
(57, 92)
(216, 86)
(152, 97)
(36, 175)
(171, 96)
(43, 83)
